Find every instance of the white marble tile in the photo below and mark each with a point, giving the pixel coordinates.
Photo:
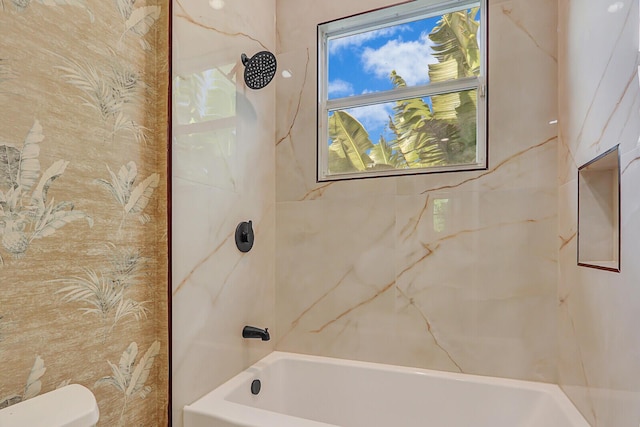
(476, 282)
(501, 222)
(335, 275)
(224, 173)
(598, 84)
(219, 35)
(598, 310)
(364, 268)
(216, 288)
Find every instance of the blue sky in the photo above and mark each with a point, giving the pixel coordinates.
(362, 63)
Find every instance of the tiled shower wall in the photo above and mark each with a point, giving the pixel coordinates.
(83, 196)
(599, 105)
(361, 270)
(223, 173)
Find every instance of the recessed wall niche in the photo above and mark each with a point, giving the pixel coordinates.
(599, 212)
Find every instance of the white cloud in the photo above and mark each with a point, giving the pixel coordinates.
(358, 40)
(410, 60)
(373, 116)
(340, 87)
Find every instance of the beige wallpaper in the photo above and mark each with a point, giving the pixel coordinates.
(83, 195)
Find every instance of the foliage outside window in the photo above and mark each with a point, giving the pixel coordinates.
(375, 121)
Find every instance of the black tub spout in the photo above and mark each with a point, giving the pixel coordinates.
(253, 332)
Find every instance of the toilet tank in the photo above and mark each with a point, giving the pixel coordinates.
(69, 406)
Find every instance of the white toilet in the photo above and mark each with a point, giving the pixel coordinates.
(69, 406)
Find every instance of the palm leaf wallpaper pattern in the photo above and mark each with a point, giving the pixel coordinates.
(107, 293)
(137, 20)
(32, 387)
(83, 203)
(110, 92)
(21, 5)
(132, 199)
(130, 378)
(25, 212)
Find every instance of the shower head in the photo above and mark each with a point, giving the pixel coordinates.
(259, 70)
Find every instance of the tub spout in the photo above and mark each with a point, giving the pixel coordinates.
(253, 332)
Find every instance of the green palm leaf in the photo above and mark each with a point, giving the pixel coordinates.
(455, 38)
(351, 139)
(383, 156)
(413, 124)
(435, 132)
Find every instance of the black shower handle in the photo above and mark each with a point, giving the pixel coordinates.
(244, 236)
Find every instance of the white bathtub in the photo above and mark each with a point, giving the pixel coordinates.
(310, 391)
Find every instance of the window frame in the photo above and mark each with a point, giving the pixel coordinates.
(382, 18)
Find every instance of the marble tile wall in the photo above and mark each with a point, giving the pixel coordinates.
(599, 104)
(472, 272)
(223, 173)
(449, 271)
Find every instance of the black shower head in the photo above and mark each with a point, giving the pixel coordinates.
(259, 70)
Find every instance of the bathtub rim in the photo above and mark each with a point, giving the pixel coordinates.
(216, 401)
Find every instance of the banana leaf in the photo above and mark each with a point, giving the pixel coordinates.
(351, 142)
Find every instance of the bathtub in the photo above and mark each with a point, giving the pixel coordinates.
(310, 391)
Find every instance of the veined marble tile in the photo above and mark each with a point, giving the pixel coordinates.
(201, 29)
(528, 168)
(208, 316)
(630, 203)
(217, 289)
(598, 84)
(224, 173)
(295, 125)
(469, 265)
(598, 310)
(568, 221)
(336, 277)
(498, 226)
(207, 157)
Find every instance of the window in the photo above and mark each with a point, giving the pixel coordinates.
(402, 90)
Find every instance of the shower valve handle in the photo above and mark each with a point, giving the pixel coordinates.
(244, 236)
